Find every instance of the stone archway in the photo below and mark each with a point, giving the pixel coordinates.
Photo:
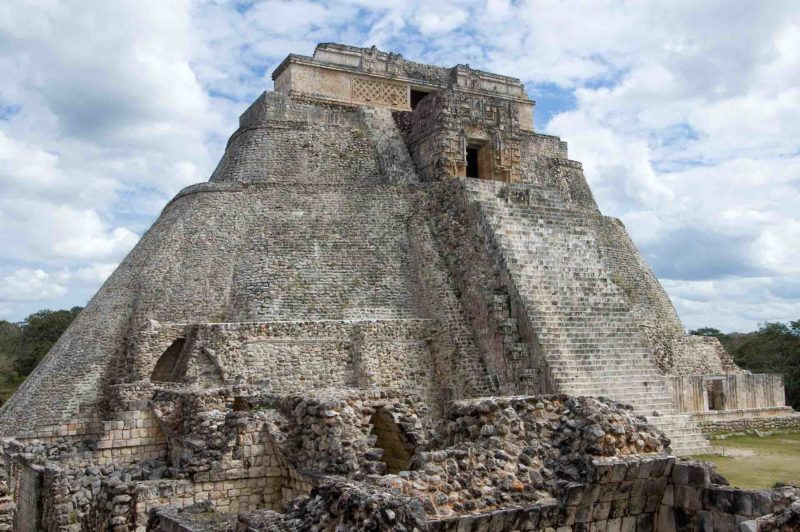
(396, 453)
(165, 367)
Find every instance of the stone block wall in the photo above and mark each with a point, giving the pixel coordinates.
(28, 515)
(284, 141)
(740, 391)
(780, 420)
(134, 435)
(324, 252)
(289, 356)
(368, 76)
(480, 276)
(460, 369)
(691, 502)
(624, 494)
(544, 162)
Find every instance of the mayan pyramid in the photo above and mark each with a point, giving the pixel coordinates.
(378, 227)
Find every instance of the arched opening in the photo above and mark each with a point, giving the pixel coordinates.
(396, 453)
(165, 367)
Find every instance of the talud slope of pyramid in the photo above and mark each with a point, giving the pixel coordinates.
(340, 243)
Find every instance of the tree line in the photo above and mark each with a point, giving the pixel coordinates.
(25, 343)
(773, 348)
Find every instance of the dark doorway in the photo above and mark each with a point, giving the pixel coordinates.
(472, 162)
(416, 97)
(165, 366)
(716, 395)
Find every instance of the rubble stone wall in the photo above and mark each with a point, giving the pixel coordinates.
(749, 423)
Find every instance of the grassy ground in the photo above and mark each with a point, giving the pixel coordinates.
(752, 462)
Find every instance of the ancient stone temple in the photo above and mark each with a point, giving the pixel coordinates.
(394, 306)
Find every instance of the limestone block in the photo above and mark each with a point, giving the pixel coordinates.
(723, 522)
(719, 498)
(742, 502)
(688, 497)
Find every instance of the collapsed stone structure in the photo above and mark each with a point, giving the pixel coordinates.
(393, 304)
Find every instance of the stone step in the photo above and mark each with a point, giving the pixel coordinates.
(568, 370)
(583, 380)
(583, 325)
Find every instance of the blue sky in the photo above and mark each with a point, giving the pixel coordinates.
(685, 115)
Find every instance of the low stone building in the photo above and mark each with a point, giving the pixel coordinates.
(393, 306)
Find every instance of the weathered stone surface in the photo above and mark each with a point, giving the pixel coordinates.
(341, 330)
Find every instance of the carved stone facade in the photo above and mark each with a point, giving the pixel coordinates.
(350, 75)
(376, 92)
(447, 124)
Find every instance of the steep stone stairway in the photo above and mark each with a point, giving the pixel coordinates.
(584, 328)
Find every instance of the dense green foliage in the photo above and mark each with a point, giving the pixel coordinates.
(24, 344)
(773, 348)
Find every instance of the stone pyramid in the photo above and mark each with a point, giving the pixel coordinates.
(381, 226)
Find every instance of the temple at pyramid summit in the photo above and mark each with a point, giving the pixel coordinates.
(393, 306)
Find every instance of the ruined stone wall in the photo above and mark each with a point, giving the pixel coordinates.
(701, 354)
(208, 258)
(747, 422)
(500, 462)
(180, 270)
(693, 501)
(28, 516)
(289, 356)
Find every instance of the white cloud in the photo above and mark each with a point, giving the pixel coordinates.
(29, 285)
(440, 17)
(93, 274)
(53, 233)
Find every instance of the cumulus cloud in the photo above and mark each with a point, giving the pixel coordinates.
(26, 285)
(684, 114)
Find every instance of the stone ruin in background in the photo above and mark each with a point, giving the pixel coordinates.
(394, 306)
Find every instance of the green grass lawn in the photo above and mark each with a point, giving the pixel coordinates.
(754, 463)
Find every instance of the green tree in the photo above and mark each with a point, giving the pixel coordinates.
(39, 332)
(9, 339)
(774, 348)
(708, 331)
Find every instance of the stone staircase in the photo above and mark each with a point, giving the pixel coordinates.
(584, 328)
(394, 161)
